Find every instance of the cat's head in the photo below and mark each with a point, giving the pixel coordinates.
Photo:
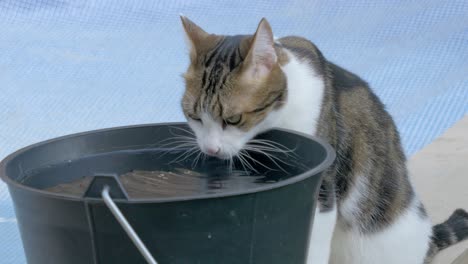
(234, 87)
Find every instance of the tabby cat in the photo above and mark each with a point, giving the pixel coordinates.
(368, 212)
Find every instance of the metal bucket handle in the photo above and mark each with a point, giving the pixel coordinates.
(106, 186)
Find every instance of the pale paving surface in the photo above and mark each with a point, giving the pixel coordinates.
(462, 259)
(440, 175)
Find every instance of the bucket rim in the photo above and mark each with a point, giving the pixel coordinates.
(326, 162)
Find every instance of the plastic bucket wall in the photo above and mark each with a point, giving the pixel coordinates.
(265, 225)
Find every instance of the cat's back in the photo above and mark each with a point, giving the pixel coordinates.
(348, 88)
(296, 42)
(304, 49)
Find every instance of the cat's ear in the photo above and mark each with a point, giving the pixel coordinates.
(194, 35)
(261, 57)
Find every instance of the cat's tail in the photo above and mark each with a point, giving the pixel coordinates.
(452, 231)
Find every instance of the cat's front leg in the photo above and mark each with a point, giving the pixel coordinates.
(321, 236)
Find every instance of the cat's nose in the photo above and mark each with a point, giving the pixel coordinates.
(212, 151)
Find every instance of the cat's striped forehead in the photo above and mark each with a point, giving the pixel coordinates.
(208, 78)
(227, 52)
(221, 60)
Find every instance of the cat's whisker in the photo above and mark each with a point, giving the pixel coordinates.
(267, 146)
(273, 158)
(185, 154)
(187, 151)
(177, 138)
(273, 144)
(230, 164)
(269, 150)
(196, 159)
(172, 139)
(241, 160)
(183, 130)
(256, 161)
(175, 142)
(179, 146)
(247, 163)
(147, 146)
(270, 142)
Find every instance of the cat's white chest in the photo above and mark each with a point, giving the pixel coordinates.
(305, 95)
(406, 241)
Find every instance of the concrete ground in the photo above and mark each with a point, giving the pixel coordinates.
(440, 175)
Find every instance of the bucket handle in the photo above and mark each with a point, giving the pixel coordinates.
(104, 185)
(126, 226)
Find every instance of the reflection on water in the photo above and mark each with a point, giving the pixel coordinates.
(148, 174)
(176, 183)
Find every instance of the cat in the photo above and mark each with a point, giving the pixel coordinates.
(239, 86)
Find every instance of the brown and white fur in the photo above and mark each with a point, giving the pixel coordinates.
(367, 213)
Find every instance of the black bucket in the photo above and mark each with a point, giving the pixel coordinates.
(266, 222)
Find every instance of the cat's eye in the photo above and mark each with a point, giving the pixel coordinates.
(233, 120)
